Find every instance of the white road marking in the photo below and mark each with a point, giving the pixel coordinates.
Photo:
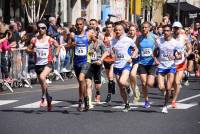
(132, 105)
(122, 107)
(35, 104)
(4, 102)
(189, 98)
(182, 106)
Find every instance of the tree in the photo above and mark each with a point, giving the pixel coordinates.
(33, 9)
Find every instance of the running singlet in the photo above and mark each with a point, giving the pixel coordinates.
(146, 47)
(121, 49)
(107, 43)
(166, 49)
(81, 49)
(43, 51)
(181, 48)
(98, 51)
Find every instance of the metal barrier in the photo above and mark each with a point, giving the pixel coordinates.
(18, 70)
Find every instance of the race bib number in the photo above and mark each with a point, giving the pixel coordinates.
(42, 53)
(80, 51)
(94, 56)
(119, 56)
(146, 52)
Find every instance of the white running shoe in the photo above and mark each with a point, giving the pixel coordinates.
(137, 94)
(26, 85)
(48, 81)
(164, 110)
(186, 83)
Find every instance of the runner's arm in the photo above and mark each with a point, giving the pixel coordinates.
(188, 46)
(155, 56)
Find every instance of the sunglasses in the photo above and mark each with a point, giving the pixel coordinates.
(175, 27)
(108, 27)
(166, 30)
(43, 28)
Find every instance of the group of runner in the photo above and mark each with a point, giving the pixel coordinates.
(123, 52)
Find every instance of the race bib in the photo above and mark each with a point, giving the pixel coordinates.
(146, 52)
(120, 56)
(80, 51)
(94, 56)
(42, 53)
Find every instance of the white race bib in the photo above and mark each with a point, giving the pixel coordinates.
(80, 51)
(94, 56)
(42, 53)
(146, 52)
(120, 56)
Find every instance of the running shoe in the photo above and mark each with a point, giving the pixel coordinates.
(97, 99)
(42, 103)
(164, 110)
(48, 81)
(126, 108)
(137, 94)
(80, 106)
(129, 91)
(186, 83)
(173, 104)
(108, 99)
(90, 103)
(49, 105)
(147, 104)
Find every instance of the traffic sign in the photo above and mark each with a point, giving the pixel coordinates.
(191, 16)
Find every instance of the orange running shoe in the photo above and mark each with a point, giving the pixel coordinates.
(173, 104)
(98, 98)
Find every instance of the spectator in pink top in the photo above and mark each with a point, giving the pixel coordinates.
(5, 49)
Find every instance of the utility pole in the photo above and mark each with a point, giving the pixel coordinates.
(178, 10)
(135, 12)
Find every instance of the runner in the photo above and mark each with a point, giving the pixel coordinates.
(109, 60)
(80, 41)
(165, 59)
(42, 46)
(133, 78)
(190, 57)
(97, 49)
(123, 62)
(146, 45)
(184, 47)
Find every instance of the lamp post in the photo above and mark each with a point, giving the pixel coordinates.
(178, 10)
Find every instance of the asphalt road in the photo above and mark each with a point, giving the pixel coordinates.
(20, 113)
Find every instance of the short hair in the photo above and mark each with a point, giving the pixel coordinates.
(119, 24)
(146, 22)
(51, 18)
(133, 25)
(109, 23)
(168, 25)
(94, 20)
(80, 19)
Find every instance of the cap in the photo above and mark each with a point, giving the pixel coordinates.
(42, 25)
(177, 24)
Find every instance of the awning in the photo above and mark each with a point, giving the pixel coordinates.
(185, 7)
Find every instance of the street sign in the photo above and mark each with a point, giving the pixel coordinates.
(191, 16)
